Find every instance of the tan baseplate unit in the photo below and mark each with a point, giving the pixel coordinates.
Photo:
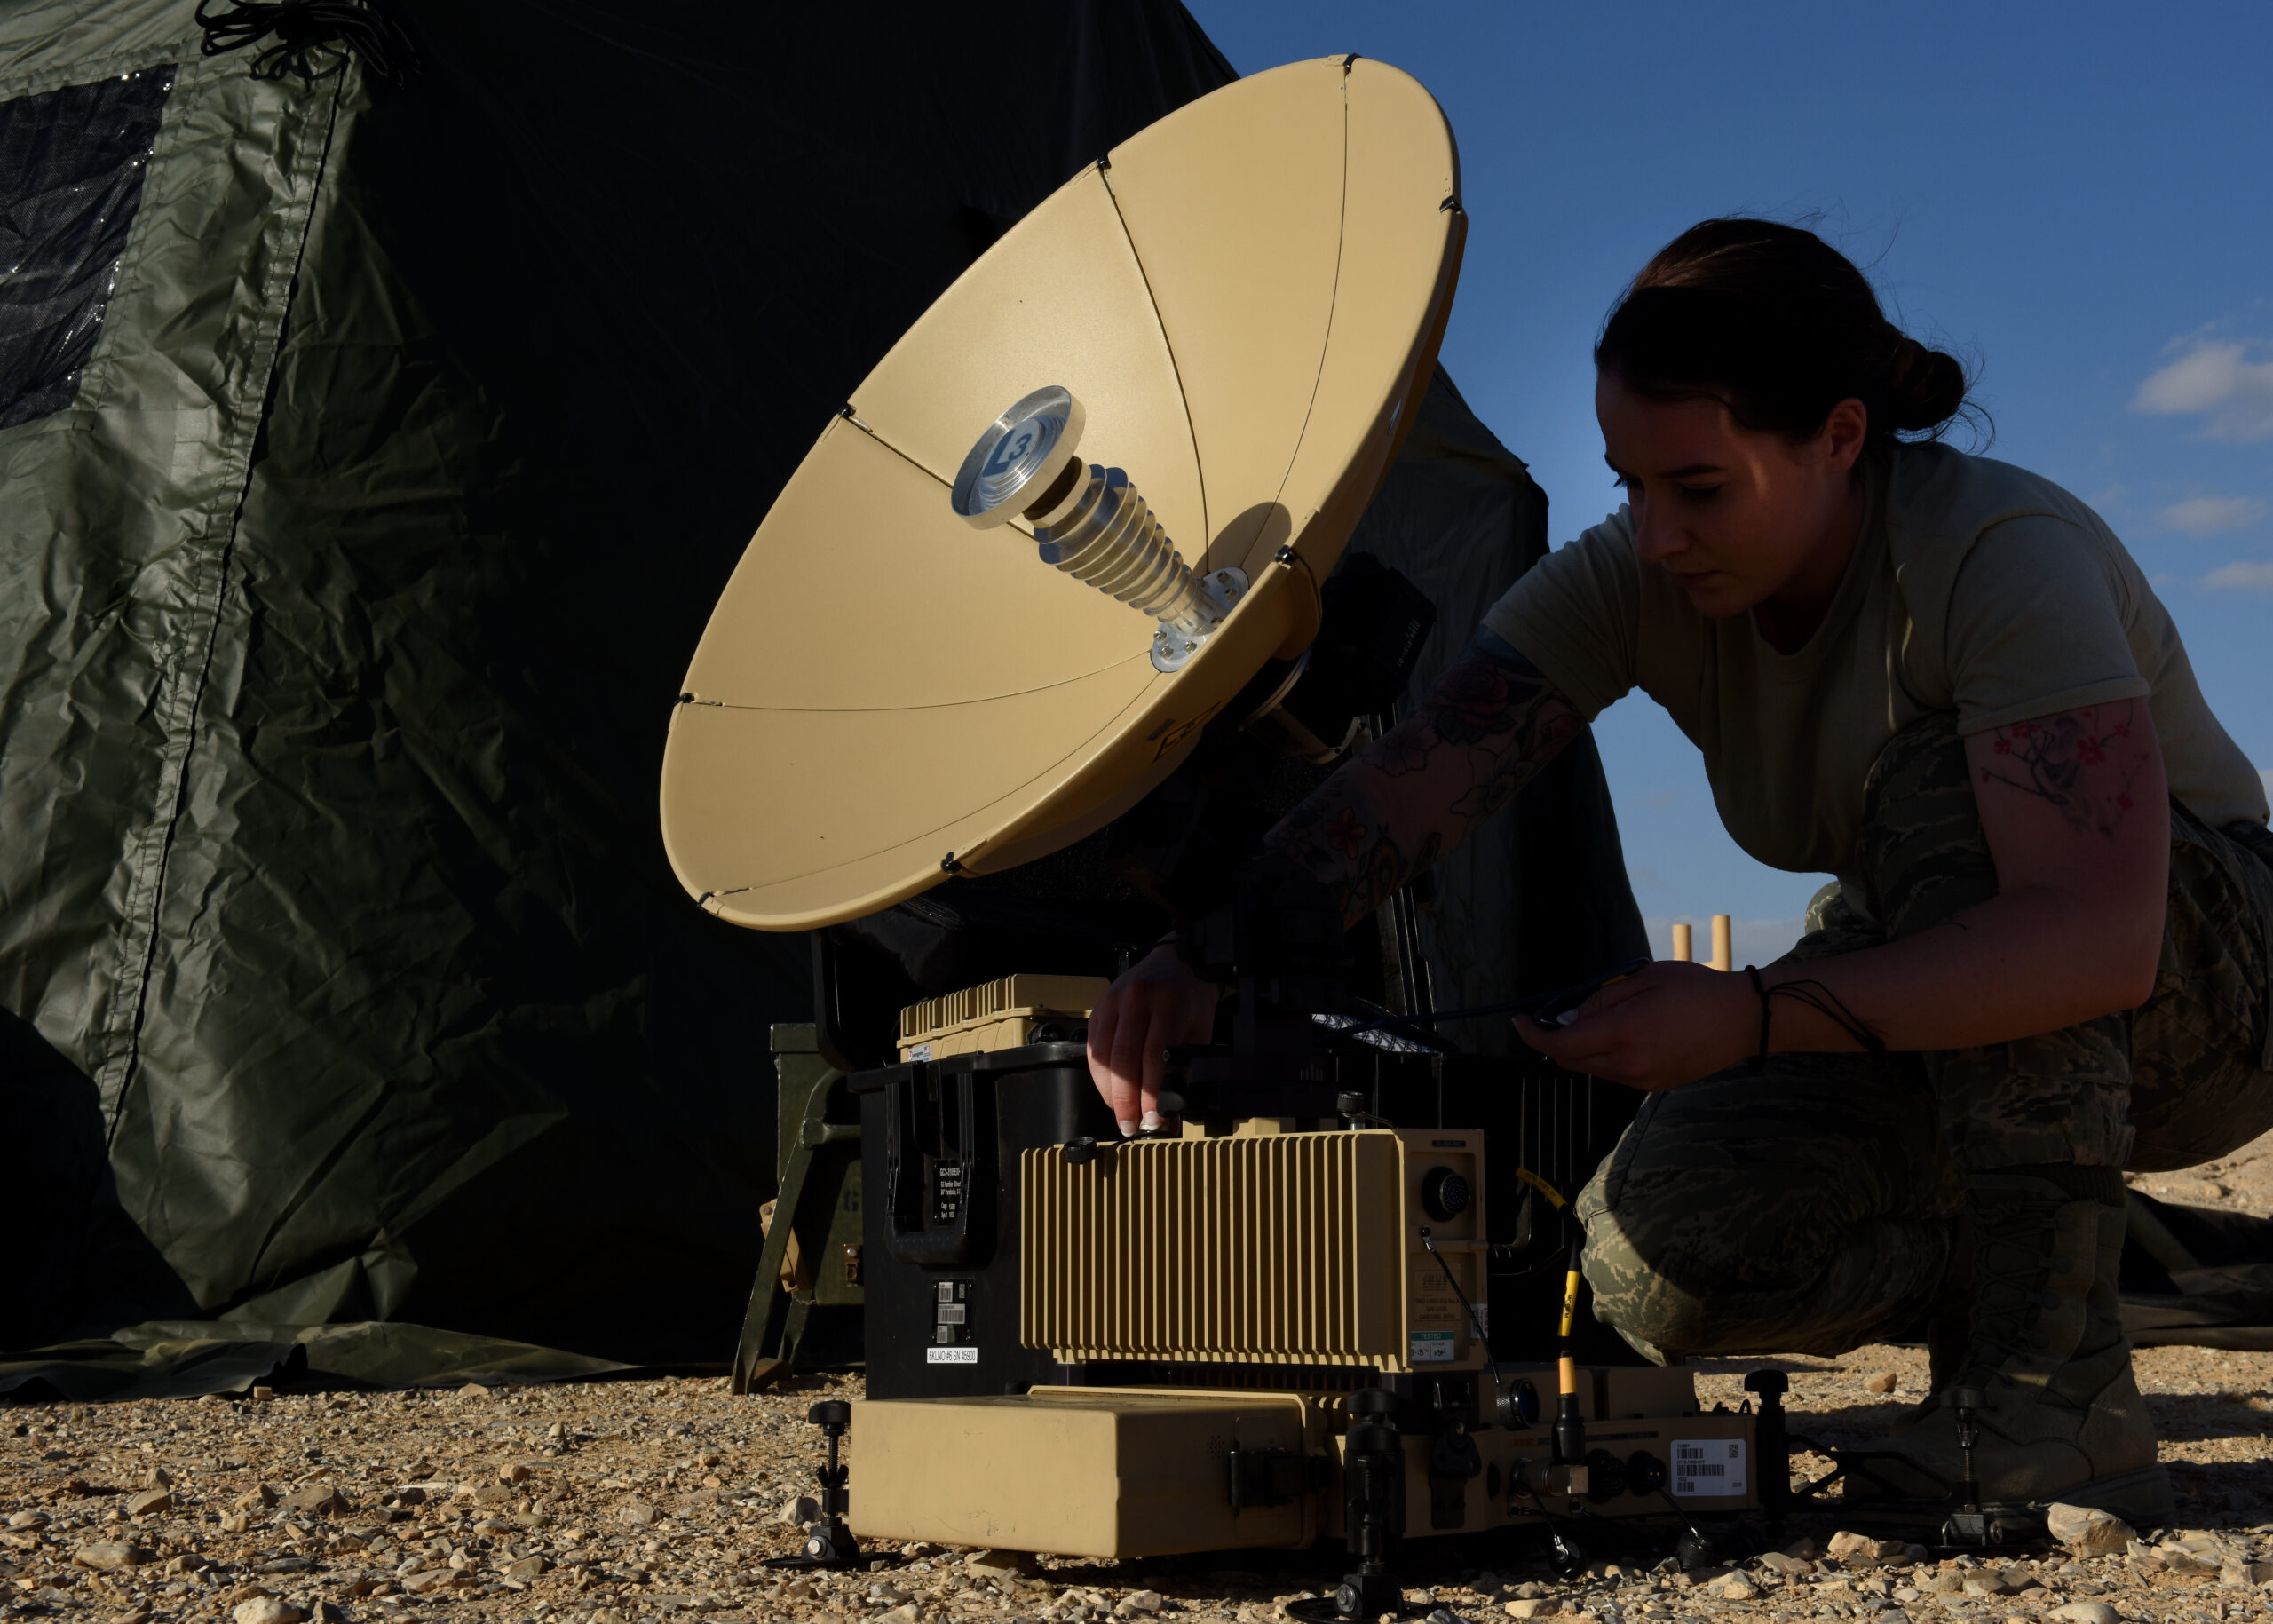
(1137, 1472)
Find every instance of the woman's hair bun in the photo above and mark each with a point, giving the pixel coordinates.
(1924, 389)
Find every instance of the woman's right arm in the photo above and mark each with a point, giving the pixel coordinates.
(1485, 730)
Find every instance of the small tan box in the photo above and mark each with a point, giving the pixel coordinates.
(998, 1014)
(1104, 1474)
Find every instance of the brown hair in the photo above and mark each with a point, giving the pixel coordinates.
(1779, 326)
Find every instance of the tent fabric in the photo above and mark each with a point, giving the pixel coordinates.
(186, 1359)
(343, 604)
(75, 158)
(2196, 1276)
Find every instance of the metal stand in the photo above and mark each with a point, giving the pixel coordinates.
(830, 1544)
(1373, 1480)
(1968, 1524)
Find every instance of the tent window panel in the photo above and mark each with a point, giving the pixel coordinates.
(71, 168)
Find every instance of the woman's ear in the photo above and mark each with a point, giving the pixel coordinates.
(1844, 434)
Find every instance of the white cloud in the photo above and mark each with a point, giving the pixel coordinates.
(2214, 379)
(2211, 515)
(2248, 575)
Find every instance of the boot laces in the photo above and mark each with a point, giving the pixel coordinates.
(2011, 1267)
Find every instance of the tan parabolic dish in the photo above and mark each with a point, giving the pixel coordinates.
(1247, 298)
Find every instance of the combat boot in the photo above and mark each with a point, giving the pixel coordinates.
(2060, 1416)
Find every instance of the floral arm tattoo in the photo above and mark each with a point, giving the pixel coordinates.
(2082, 762)
(1490, 723)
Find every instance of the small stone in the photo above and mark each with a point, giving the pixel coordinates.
(514, 1473)
(527, 1569)
(159, 1478)
(258, 1498)
(261, 1394)
(1530, 1607)
(426, 1580)
(1138, 1602)
(1879, 1382)
(1736, 1588)
(316, 1499)
(799, 1511)
(107, 1556)
(473, 1390)
(149, 1500)
(267, 1610)
(991, 1563)
(2087, 1530)
(1802, 1548)
(1986, 1584)
(237, 1522)
(1860, 1551)
(640, 1514)
(2087, 1612)
(906, 1614)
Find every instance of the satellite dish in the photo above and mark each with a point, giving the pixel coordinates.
(1180, 380)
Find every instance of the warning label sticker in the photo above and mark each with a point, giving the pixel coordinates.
(951, 1356)
(1432, 1348)
(1708, 1466)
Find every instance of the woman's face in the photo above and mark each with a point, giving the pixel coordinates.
(1735, 515)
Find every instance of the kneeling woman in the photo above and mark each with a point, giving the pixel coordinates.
(2044, 959)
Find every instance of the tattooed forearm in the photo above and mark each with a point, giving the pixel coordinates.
(1486, 729)
(2080, 762)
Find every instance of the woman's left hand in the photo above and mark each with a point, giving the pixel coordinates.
(1659, 1028)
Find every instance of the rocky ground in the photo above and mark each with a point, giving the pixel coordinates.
(624, 1502)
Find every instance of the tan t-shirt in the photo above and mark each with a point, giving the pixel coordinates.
(1977, 588)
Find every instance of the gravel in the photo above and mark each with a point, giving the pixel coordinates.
(631, 1502)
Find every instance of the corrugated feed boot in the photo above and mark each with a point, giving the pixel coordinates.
(2062, 1417)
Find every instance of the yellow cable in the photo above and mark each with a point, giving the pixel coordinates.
(1553, 1196)
(1567, 1366)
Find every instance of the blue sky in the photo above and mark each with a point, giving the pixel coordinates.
(2079, 197)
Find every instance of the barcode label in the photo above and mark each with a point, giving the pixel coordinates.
(1432, 1348)
(1713, 1467)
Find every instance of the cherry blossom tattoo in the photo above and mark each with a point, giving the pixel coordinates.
(2081, 762)
(1490, 723)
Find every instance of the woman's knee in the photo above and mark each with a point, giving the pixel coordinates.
(1732, 1206)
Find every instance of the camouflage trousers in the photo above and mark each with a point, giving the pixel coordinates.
(1814, 1208)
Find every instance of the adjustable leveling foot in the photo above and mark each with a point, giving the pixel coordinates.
(830, 1544)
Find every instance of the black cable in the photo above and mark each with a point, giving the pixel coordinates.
(1474, 1320)
(1823, 1002)
(301, 26)
(1555, 1002)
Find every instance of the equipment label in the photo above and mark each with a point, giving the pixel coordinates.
(963, 1355)
(1432, 1348)
(1710, 1466)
